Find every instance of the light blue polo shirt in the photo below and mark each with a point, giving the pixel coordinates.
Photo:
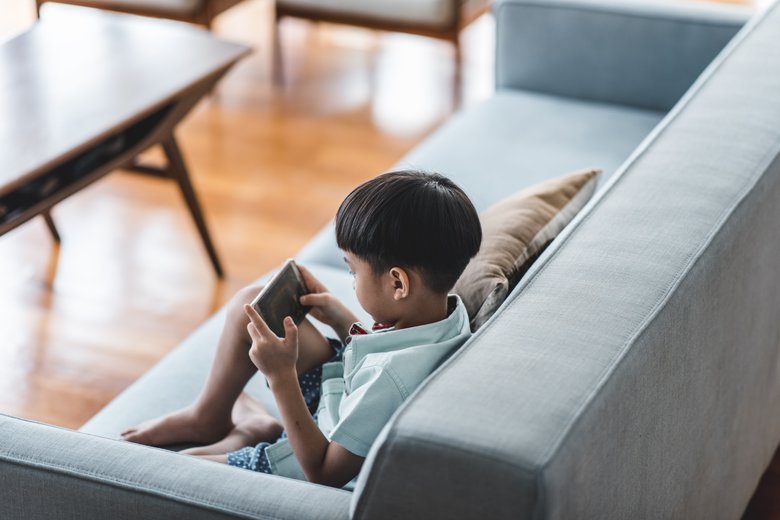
(379, 372)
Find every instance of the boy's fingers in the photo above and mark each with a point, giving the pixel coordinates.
(290, 331)
(314, 299)
(305, 272)
(307, 277)
(258, 322)
(312, 284)
(250, 328)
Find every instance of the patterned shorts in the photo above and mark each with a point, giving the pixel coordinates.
(253, 457)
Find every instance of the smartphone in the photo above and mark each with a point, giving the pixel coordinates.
(281, 298)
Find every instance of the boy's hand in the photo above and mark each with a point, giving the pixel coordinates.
(271, 354)
(325, 307)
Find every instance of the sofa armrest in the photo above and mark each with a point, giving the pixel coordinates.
(635, 53)
(50, 472)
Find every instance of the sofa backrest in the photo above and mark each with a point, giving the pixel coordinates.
(635, 373)
(643, 54)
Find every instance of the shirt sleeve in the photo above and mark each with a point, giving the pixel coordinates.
(364, 412)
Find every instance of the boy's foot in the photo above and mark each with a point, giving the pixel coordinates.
(183, 426)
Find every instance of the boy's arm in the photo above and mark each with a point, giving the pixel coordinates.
(322, 461)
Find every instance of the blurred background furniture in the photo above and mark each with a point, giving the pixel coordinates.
(443, 19)
(201, 12)
(83, 130)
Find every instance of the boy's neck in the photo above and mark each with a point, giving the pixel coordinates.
(426, 309)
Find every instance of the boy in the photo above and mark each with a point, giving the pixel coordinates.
(406, 237)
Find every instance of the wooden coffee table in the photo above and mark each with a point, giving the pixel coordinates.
(84, 92)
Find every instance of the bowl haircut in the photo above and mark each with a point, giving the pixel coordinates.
(411, 219)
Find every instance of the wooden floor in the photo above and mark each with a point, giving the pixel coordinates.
(130, 280)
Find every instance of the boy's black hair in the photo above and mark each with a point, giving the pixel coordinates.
(411, 219)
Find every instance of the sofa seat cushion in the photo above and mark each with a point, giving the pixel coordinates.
(177, 379)
(515, 140)
(434, 13)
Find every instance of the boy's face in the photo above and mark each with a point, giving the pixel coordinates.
(374, 292)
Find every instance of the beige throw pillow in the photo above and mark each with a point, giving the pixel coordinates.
(514, 233)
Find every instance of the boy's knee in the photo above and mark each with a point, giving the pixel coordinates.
(242, 297)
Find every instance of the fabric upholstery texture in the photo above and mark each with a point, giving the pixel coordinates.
(50, 472)
(514, 232)
(663, 47)
(516, 140)
(630, 374)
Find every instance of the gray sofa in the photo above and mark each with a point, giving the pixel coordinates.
(633, 373)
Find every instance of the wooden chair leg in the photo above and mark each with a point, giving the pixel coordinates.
(50, 224)
(457, 86)
(208, 17)
(178, 171)
(38, 4)
(277, 64)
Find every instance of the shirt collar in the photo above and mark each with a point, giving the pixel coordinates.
(358, 329)
(368, 341)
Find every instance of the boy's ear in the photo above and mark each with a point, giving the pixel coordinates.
(400, 280)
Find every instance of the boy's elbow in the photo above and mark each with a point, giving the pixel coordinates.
(336, 468)
(318, 476)
(333, 477)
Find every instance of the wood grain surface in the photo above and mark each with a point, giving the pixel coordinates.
(75, 78)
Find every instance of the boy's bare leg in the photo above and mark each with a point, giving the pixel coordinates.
(253, 424)
(208, 419)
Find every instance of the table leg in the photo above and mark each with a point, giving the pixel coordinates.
(178, 171)
(50, 224)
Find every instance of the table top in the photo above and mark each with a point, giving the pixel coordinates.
(79, 75)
